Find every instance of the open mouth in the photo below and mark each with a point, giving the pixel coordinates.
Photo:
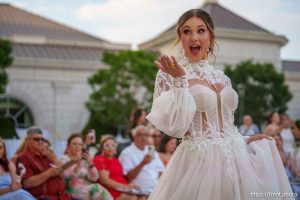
(195, 49)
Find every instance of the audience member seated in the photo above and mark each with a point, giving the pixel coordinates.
(41, 177)
(272, 124)
(111, 171)
(138, 117)
(289, 165)
(289, 132)
(10, 187)
(141, 164)
(167, 148)
(90, 142)
(80, 176)
(248, 128)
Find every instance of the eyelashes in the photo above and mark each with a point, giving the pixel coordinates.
(186, 32)
(199, 31)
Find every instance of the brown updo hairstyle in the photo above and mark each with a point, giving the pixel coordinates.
(203, 15)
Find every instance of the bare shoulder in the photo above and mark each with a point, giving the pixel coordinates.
(11, 166)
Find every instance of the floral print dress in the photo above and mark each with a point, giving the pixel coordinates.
(81, 183)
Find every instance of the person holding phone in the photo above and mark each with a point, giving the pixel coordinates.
(80, 178)
(141, 163)
(90, 142)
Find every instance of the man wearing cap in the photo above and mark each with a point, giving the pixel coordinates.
(141, 163)
(41, 178)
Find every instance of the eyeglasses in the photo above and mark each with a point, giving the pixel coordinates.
(37, 139)
(107, 146)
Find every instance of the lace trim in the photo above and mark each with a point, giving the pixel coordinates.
(226, 145)
(203, 71)
(181, 82)
(194, 70)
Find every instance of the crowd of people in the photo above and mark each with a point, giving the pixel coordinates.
(211, 162)
(36, 173)
(285, 132)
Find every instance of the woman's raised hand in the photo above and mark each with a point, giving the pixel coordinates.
(169, 65)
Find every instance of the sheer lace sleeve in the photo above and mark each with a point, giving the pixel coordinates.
(162, 83)
(173, 106)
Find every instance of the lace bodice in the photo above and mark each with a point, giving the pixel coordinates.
(212, 104)
(213, 158)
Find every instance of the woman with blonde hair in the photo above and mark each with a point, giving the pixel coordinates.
(111, 171)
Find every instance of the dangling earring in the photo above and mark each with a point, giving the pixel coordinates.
(209, 48)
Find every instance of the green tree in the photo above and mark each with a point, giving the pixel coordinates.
(125, 84)
(5, 61)
(7, 129)
(261, 90)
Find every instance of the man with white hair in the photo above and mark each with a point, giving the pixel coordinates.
(248, 128)
(141, 163)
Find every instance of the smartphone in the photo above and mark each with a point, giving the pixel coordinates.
(85, 148)
(151, 150)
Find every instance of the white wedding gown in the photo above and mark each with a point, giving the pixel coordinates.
(213, 162)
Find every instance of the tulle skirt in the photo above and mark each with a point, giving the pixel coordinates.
(223, 169)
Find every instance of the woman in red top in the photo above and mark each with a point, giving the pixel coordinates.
(111, 171)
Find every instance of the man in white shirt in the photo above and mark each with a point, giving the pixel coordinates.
(141, 163)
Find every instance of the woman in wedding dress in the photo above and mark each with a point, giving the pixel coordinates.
(196, 102)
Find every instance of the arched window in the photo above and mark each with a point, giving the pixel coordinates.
(15, 111)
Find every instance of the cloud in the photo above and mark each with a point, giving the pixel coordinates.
(133, 20)
(140, 20)
(136, 21)
(279, 17)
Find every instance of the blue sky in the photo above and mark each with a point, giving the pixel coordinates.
(136, 21)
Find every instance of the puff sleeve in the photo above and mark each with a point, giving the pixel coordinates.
(173, 107)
